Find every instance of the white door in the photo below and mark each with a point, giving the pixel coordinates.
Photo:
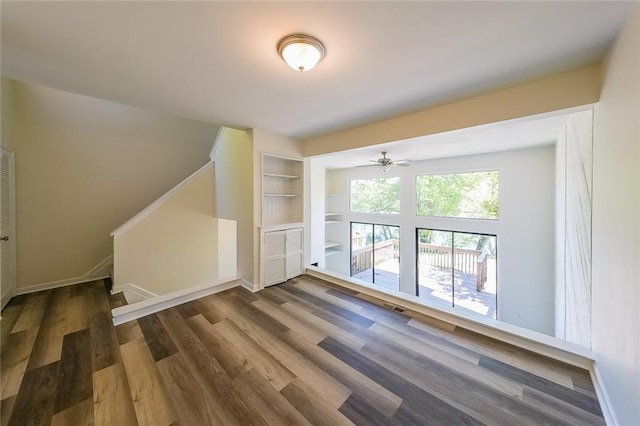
(7, 220)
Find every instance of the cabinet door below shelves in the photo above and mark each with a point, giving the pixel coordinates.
(294, 252)
(275, 244)
(283, 255)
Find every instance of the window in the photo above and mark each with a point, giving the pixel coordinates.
(375, 254)
(378, 195)
(464, 195)
(458, 269)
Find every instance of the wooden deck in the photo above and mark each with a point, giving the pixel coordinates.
(303, 352)
(435, 286)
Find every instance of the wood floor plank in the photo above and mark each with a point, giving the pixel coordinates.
(48, 345)
(417, 405)
(150, 399)
(272, 406)
(12, 378)
(292, 322)
(265, 364)
(546, 386)
(327, 306)
(32, 313)
(105, 350)
(233, 362)
(112, 401)
(6, 407)
(10, 315)
(35, 401)
(367, 391)
(78, 414)
(211, 376)
(361, 413)
(325, 322)
(187, 396)
(312, 405)
(19, 346)
(128, 332)
(78, 311)
(539, 365)
(475, 397)
(158, 340)
(74, 382)
(293, 360)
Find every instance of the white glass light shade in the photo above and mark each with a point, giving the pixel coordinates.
(301, 52)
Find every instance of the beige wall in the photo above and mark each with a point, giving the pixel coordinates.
(265, 142)
(615, 337)
(560, 92)
(83, 167)
(6, 125)
(180, 244)
(233, 168)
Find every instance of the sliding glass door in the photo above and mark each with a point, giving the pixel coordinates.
(457, 269)
(375, 254)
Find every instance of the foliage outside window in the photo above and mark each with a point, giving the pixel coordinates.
(462, 195)
(378, 195)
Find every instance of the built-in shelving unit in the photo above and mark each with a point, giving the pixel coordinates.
(282, 188)
(332, 216)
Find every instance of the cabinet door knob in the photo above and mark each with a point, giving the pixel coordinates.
(5, 238)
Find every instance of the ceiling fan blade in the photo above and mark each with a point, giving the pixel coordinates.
(407, 164)
(402, 162)
(367, 165)
(374, 161)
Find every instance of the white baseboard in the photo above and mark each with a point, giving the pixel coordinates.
(252, 287)
(533, 341)
(608, 412)
(133, 293)
(134, 311)
(102, 268)
(98, 272)
(56, 284)
(5, 299)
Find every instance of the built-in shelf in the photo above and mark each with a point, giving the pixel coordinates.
(282, 189)
(276, 175)
(333, 195)
(330, 244)
(332, 251)
(332, 221)
(332, 214)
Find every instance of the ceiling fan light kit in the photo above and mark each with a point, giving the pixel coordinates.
(300, 51)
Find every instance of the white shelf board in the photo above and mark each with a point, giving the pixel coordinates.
(333, 195)
(332, 221)
(329, 244)
(332, 251)
(281, 195)
(332, 214)
(276, 175)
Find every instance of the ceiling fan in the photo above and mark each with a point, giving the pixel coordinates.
(385, 163)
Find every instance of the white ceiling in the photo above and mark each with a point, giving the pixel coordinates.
(217, 61)
(519, 134)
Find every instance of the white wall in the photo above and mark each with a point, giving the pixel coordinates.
(180, 244)
(525, 229)
(615, 337)
(233, 168)
(7, 122)
(83, 167)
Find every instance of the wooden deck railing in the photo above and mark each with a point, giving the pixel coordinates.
(463, 260)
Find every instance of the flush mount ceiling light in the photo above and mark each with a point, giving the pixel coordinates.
(300, 51)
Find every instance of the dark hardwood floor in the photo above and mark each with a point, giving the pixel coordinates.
(303, 352)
